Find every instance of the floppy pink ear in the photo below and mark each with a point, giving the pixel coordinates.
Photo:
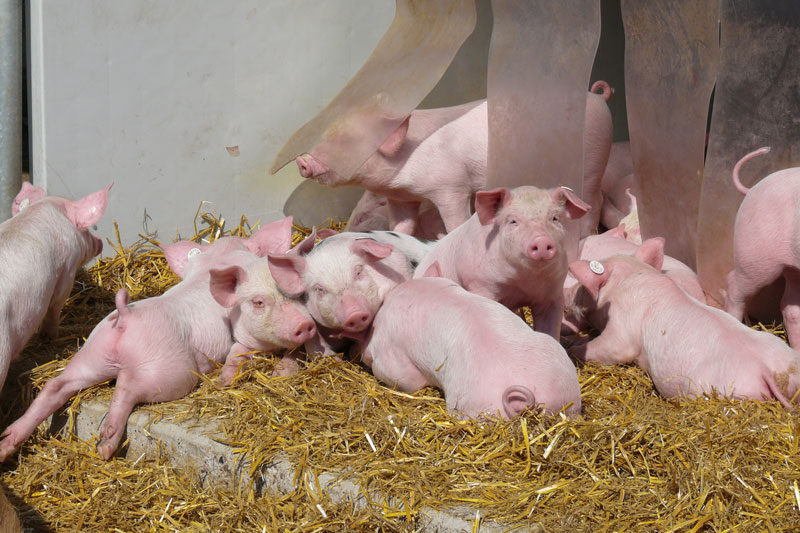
(588, 277)
(88, 210)
(651, 252)
(433, 271)
(274, 238)
(26, 196)
(371, 250)
(177, 254)
(306, 245)
(488, 203)
(287, 271)
(223, 284)
(395, 141)
(573, 205)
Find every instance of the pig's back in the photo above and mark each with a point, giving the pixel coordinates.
(770, 213)
(475, 346)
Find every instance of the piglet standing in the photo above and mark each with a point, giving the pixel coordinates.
(155, 348)
(43, 246)
(484, 357)
(688, 348)
(512, 250)
(766, 238)
(440, 156)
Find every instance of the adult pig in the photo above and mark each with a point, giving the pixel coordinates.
(580, 311)
(155, 348)
(42, 247)
(440, 155)
(483, 356)
(512, 250)
(346, 276)
(765, 244)
(688, 348)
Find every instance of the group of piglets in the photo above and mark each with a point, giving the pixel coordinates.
(424, 180)
(154, 348)
(420, 313)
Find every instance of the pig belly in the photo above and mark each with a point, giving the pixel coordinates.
(393, 367)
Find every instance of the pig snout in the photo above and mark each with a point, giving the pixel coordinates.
(542, 248)
(354, 313)
(310, 166)
(303, 331)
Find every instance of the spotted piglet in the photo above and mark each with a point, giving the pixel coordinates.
(688, 348)
(344, 279)
(41, 248)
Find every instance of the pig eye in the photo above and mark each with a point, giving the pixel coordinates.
(258, 302)
(512, 221)
(555, 218)
(358, 271)
(319, 291)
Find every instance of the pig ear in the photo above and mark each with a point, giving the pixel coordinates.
(178, 254)
(618, 232)
(488, 203)
(223, 284)
(591, 278)
(26, 196)
(274, 238)
(433, 271)
(395, 141)
(287, 271)
(324, 233)
(573, 205)
(371, 250)
(88, 210)
(651, 252)
(306, 245)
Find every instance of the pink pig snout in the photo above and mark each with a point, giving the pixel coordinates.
(354, 313)
(309, 166)
(299, 326)
(543, 248)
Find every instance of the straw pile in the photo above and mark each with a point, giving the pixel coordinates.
(632, 461)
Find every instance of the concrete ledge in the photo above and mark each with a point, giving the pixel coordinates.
(196, 444)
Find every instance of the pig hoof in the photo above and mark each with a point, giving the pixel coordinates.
(285, 370)
(105, 450)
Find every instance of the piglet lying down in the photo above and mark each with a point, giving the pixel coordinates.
(155, 348)
(485, 358)
(688, 348)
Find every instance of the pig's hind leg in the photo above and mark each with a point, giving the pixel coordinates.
(454, 211)
(88, 367)
(134, 387)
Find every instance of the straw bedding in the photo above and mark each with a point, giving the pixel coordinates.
(632, 461)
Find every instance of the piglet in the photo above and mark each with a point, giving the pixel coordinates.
(345, 278)
(440, 156)
(580, 311)
(43, 246)
(688, 348)
(765, 244)
(485, 358)
(372, 213)
(155, 348)
(512, 250)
